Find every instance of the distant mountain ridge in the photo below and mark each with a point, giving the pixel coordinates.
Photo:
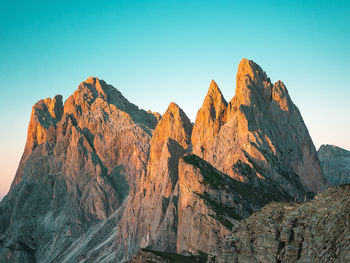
(100, 179)
(335, 163)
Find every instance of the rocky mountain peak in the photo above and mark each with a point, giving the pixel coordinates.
(280, 96)
(210, 117)
(252, 85)
(101, 178)
(214, 97)
(249, 70)
(262, 124)
(175, 125)
(45, 114)
(47, 111)
(89, 91)
(95, 95)
(99, 85)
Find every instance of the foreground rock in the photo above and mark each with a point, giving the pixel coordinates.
(316, 231)
(335, 163)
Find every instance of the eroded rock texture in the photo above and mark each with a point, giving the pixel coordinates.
(315, 231)
(335, 163)
(100, 179)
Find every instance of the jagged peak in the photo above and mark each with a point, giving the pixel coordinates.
(210, 117)
(92, 80)
(45, 113)
(94, 87)
(174, 124)
(156, 115)
(249, 68)
(214, 95)
(47, 102)
(280, 95)
(281, 88)
(176, 111)
(48, 110)
(213, 86)
(280, 84)
(173, 106)
(252, 84)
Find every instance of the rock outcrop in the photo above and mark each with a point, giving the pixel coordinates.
(100, 178)
(79, 164)
(151, 216)
(315, 231)
(45, 114)
(260, 130)
(335, 163)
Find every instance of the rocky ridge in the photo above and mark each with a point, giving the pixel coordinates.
(99, 178)
(315, 231)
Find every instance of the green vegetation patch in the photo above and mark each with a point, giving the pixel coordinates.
(211, 176)
(177, 258)
(221, 211)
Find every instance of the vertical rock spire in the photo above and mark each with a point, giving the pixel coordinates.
(210, 117)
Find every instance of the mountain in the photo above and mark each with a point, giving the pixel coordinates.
(261, 130)
(100, 179)
(79, 164)
(335, 163)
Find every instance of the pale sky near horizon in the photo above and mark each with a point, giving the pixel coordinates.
(156, 52)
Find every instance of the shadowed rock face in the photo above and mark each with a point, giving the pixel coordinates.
(211, 202)
(335, 163)
(99, 178)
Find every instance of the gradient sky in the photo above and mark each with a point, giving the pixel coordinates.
(156, 52)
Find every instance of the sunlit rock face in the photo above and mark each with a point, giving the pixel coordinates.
(335, 163)
(260, 130)
(150, 218)
(79, 165)
(45, 114)
(100, 178)
(210, 117)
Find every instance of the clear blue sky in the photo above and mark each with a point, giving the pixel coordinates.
(156, 52)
